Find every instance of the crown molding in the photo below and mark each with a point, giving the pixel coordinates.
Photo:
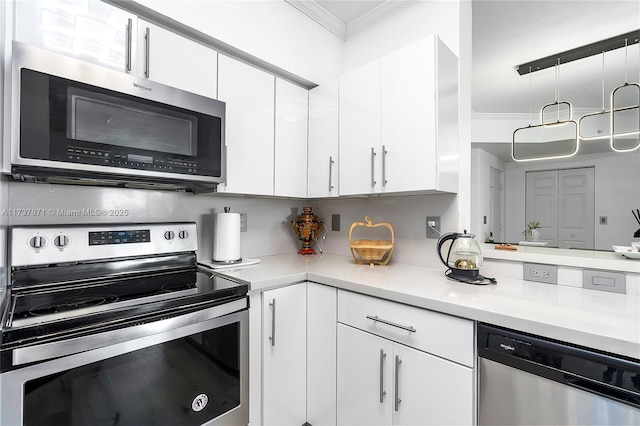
(376, 15)
(325, 18)
(321, 15)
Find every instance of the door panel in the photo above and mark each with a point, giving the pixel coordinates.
(284, 396)
(250, 96)
(496, 205)
(563, 201)
(359, 130)
(577, 208)
(542, 203)
(359, 378)
(432, 390)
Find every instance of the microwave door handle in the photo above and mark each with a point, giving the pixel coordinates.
(147, 44)
(128, 46)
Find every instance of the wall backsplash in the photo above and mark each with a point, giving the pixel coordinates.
(268, 219)
(407, 215)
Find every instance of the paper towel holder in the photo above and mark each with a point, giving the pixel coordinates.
(226, 244)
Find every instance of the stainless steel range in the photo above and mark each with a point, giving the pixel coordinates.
(115, 324)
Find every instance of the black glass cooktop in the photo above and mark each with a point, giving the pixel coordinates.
(43, 313)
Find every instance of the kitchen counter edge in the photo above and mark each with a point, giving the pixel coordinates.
(599, 320)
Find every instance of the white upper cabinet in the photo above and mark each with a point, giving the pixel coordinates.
(292, 112)
(250, 97)
(87, 29)
(399, 122)
(322, 165)
(168, 58)
(97, 32)
(359, 128)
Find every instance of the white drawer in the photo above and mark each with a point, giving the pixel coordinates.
(439, 334)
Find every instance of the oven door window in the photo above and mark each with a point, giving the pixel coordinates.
(188, 381)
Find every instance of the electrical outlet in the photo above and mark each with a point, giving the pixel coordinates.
(243, 222)
(540, 272)
(335, 222)
(433, 227)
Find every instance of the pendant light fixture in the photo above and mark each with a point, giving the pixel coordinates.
(556, 137)
(625, 113)
(596, 125)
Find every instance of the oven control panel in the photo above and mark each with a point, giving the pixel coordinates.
(37, 245)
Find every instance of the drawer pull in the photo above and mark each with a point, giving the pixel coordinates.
(392, 324)
(272, 338)
(382, 391)
(397, 383)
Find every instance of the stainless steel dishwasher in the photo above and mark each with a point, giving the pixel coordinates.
(530, 380)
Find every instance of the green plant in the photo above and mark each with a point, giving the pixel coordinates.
(530, 227)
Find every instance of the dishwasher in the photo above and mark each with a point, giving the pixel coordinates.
(530, 380)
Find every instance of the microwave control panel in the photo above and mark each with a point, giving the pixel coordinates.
(100, 157)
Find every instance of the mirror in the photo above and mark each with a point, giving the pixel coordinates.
(503, 101)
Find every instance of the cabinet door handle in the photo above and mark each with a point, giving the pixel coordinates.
(330, 172)
(272, 338)
(397, 381)
(392, 324)
(147, 45)
(128, 46)
(382, 391)
(384, 166)
(373, 157)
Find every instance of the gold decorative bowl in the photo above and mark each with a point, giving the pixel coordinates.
(372, 252)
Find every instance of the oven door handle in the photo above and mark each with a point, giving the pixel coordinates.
(46, 351)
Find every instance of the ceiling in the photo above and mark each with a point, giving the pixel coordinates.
(507, 33)
(349, 10)
(345, 18)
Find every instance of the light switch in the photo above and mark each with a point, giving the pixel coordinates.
(614, 282)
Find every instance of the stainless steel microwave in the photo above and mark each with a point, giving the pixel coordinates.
(76, 122)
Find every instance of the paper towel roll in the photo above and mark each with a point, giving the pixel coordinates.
(226, 237)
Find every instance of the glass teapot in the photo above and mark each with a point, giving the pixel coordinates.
(464, 252)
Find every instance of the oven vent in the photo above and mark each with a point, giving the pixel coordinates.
(107, 180)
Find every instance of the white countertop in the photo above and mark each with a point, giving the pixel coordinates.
(593, 259)
(599, 320)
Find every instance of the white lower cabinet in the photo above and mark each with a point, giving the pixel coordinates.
(295, 382)
(284, 336)
(383, 382)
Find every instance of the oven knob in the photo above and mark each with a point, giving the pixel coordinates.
(37, 242)
(61, 241)
(183, 235)
(169, 235)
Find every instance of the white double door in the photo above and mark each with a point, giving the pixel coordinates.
(563, 201)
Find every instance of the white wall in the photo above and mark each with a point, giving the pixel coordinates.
(273, 31)
(268, 219)
(617, 191)
(408, 25)
(407, 215)
(481, 164)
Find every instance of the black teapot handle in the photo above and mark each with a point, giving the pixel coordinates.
(441, 241)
